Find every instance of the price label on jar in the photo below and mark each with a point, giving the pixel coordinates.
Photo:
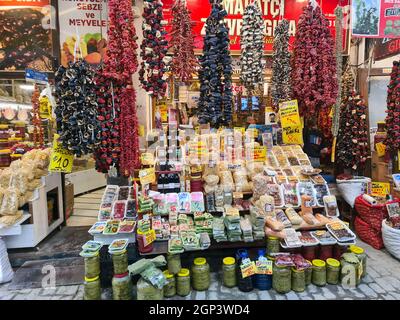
(248, 269)
(149, 237)
(61, 159)
(264, 267)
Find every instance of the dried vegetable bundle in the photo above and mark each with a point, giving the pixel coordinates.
(76, 111)
(281, 68)
(37, 123)
(117, 99)
(252, 48)
(184, 62)
(339, 69)
(314, 78)
(215, 103)
(152, 73)
(392, 141)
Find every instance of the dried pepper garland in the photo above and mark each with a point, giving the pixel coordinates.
(184, 61)
(339, 69)
(76, 111)
(252, 48)
(37, 123)
(393, 110)
(352, 146)
(314, 78)
(119, 145)
(153, 68)
(281, 68)
(215, 103)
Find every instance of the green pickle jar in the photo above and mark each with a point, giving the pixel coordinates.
(229, 272)
(92, 266)
(183, 283)
(281, 279)
(298, 280)
(319, 272)
(332, 271)
(146, 291)
(170, 286)
(174, 263)
(120, 262)
(92, 289)
(273, 245)
(201, 274)
(308, 274)
(122, 287)
(360, 253)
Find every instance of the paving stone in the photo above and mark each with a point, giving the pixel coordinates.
(200, 295)
(280, 297)
(214, 285)
(328, 293)
(376, 288)
(367, 279)
(264, 295)
(370, 293)
(48, 292)
(212, 296)
(225, 289)
(372, 273)
(67, 290)
(292, 296)
(318, 297)
(252, 296)
(20, 297)
(388, 297)
(356, 293)
(8, 296)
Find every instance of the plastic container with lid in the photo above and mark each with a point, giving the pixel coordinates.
(273, 245)
(282, 279)
(319, 272)
(361, 255)
(201, 276)
(174, 263)
(140, 241)
(170, 286)
(122, 286)
(120, 262)
(308, 274)
(229, 272)
(332, 271)
(183, 282)
(92, 266)
(92, 289)
(298, 280)
(244, 284)
(146, 291)
(262, 281)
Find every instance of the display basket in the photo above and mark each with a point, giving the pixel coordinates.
(391, 239)
(368, 234)
(352, 188)
(372, 214)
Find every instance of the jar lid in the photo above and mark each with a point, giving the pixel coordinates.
(229, 261)
(91, 279)
(121, 275)
(294, 269)
(356, 250)
(333, 262)
(273, 238)
(200, 261)
(168, 275)
(318, 263)
(184, 272)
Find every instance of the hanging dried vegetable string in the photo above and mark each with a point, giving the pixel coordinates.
(184, 61)
(392, 141)
(37, 123)
(314, 79)
(281, 68)
(215, 102)
(252, 48)
(339, 69)
(153, 68)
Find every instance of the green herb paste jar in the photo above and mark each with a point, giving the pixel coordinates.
(201, 274)
(174, 263)
(332, 271)
(183, 283)
(92, 289)
(120, 262)
(229, 272)
(319, 272)
(298, 280)
(281, 279)
(122, 287)
(170, 286)
(92, 266)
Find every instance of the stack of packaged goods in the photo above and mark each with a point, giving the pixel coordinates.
(219, 234)
(258, 221)
(203, 222)
(232, 223)
(175, 245)
(245, 225)
(145, 204)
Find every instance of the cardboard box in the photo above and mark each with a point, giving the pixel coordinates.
(69, 199)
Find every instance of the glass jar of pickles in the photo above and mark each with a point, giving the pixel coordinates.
(92, 289)
(174, 263)
(319, 272)
(201, 274)
(229, 272)
(298, 280)
(281, 279)
(273, 245)
(183, 282)
(170, 286)
(122, 287)
(92, 266)
(120, 262)
(146, 291)
(332, 271)
(360, 253)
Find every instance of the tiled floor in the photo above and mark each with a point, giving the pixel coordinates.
(86, 208)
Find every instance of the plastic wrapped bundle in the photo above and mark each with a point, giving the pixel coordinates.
(219, 233)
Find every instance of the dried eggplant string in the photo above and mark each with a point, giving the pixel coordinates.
(339, 70)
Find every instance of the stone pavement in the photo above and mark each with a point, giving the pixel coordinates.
(382, 282)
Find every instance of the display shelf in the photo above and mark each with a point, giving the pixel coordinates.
(15, 229)
(86, 180)
(107, 239)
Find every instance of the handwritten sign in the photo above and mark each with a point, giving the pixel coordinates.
(260, 154)
(147, 176)
(292, 135)
(291, 122)
(380, 189)
(149, 237)
(61, 159)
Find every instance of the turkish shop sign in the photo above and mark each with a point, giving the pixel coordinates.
(83, 30)
(271, 9)
(386, 48)
(376, 18)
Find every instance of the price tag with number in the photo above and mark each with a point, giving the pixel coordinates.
(149, 237)
(61, 159)
(248, 268)
(264, 267)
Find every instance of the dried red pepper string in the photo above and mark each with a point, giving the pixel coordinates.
(38, 139)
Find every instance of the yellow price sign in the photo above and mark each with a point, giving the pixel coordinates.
(264, 267)
(380, 149)
(289, 113)
(260, 154)
(380, 189)
(292, 135)
(61, 159)
(240, 129)
(248, 269)
(147, 176)
(149, 237)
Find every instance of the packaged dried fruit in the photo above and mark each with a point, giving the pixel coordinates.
(307, 239)
(111, 227)
(281, 217)
(275, 191)
(340, 231)
(123, 193)
(290, 195)
(131, 211)
(321, 190)
(331, 207)
(127, 226)
(119, 209)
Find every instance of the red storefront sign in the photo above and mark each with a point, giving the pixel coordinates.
(24, 3)
(272, 12)
(386, 48)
